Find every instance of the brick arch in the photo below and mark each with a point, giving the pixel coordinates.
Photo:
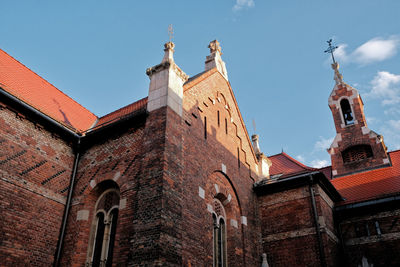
(80, 229)
(224, 102)
(220, 186)
(115, 176)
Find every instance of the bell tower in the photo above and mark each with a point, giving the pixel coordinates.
(355, 147)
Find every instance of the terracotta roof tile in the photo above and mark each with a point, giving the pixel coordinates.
(371, 184)
(286, 165)
(122, 112)
(29, 87)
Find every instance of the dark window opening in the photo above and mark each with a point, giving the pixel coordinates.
(238, 157)
(219, 236)
(205, 127)
(378, 228)
(104, 229)
(358, 231)
(218, 117)
(221, 243)
(226, 126)
(367, 229)
(346, 111)
(98, 245)
(357, 153)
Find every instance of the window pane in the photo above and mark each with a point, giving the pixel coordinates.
(114, 214)
(223, 242)
(98, 240)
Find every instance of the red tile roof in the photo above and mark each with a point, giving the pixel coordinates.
(327, 171)
(29, 87)
(286, 165)
(122, 112)
(371, 184)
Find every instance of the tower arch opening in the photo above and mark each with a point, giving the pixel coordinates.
(348, 116)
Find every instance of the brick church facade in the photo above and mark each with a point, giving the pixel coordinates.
(175, 180)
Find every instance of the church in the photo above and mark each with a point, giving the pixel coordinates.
(174, 179)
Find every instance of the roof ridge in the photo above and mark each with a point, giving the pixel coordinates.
(294, 161)
(115, 111)
(298, 162)
(40, 77)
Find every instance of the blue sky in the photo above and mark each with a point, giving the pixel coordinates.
(97, 52)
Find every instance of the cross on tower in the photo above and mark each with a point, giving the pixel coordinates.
(170, 32)
(331, 49)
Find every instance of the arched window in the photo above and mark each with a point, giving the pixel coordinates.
(356, 153)
(103, 229)
(346, 111)
(219, 242)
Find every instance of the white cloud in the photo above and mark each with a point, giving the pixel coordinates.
(391, 133)
(240, 4)
(301, 158)
(376, 49)
(319, 163)
(371, 120)
(386, 86)
(395, 125)
(323, 144)
(341, 54)
(392, 111)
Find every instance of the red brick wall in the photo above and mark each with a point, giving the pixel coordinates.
(203, 159)
(352, 135)
(117, 159)
(35, 169)
(330, 237)
(288, 230)
(380, 249)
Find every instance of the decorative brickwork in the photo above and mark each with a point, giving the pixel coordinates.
(355, 146)
(34, 167)
(186, 186)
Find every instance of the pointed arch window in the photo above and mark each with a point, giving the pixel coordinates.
(346, 112)
(219, 235)
(103, 229)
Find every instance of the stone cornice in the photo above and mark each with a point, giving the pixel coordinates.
(166, 65)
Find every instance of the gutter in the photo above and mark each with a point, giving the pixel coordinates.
(367, 203)
(46, 118)
(77, 139)
(60, 242)
(317, 229)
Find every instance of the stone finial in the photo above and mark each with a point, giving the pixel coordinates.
(256, 145)
(264, 163)
(264, 260)
(214, 60)
(169, 52)
(166, 83)
(338, 76)
(214, 47)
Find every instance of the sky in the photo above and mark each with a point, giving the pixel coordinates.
(97, 52)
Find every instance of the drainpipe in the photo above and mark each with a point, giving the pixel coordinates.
(317, 229)
(60, 242)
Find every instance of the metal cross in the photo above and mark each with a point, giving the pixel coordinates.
(170, 32)
(331, 49)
